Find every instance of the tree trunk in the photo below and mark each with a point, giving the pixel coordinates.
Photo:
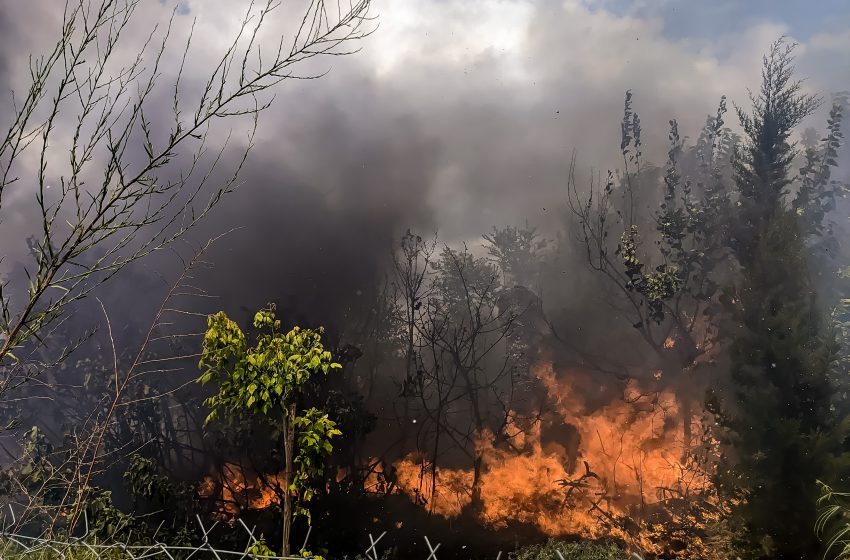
(677, 365)
(434, 462)
(476, 504)
(687, 432)
(288, 449)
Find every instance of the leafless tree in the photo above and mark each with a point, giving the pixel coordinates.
(463, 364)
(412, 269)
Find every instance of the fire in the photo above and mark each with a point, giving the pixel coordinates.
(626, 475)
(450, 493)
(630, 464)
(237, 490)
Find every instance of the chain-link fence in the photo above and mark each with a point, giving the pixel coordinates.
(14, 546)
(18, 546)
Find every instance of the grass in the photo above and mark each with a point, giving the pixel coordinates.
(9, 550)
(569, 551)
(12, 551)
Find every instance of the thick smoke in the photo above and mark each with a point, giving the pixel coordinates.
(318, 225)
(446, 120)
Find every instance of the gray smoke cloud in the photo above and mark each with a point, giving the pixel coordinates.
(455, 116)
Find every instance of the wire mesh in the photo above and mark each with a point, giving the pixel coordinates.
(15, 546)
(19, 546)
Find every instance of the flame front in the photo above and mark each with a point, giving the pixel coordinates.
(628, 474)
(630, 471)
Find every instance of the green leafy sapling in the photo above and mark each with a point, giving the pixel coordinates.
(267, 379)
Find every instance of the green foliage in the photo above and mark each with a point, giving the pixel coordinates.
(314, 431)
(261, 378)
(841, 324)
(833, 523)
(46, 474)
(144, 480)
(267, 379)
(260, 548)
(778, 423)
(583, 550)
(657, 286)
(689, 233)
(105, 520)
(763, 165)
(667, 267)
(817, 193)
(43, 475)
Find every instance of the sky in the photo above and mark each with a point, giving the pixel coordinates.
(704, 19)
(456, 115)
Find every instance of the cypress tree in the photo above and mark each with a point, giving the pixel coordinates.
(781, 434)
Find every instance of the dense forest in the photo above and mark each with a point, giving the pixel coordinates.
(661, 369)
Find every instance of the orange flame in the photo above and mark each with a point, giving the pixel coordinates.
(237, 490)
(630, 462)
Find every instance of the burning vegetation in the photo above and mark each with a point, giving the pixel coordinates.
(236, 490)
(626, 473)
